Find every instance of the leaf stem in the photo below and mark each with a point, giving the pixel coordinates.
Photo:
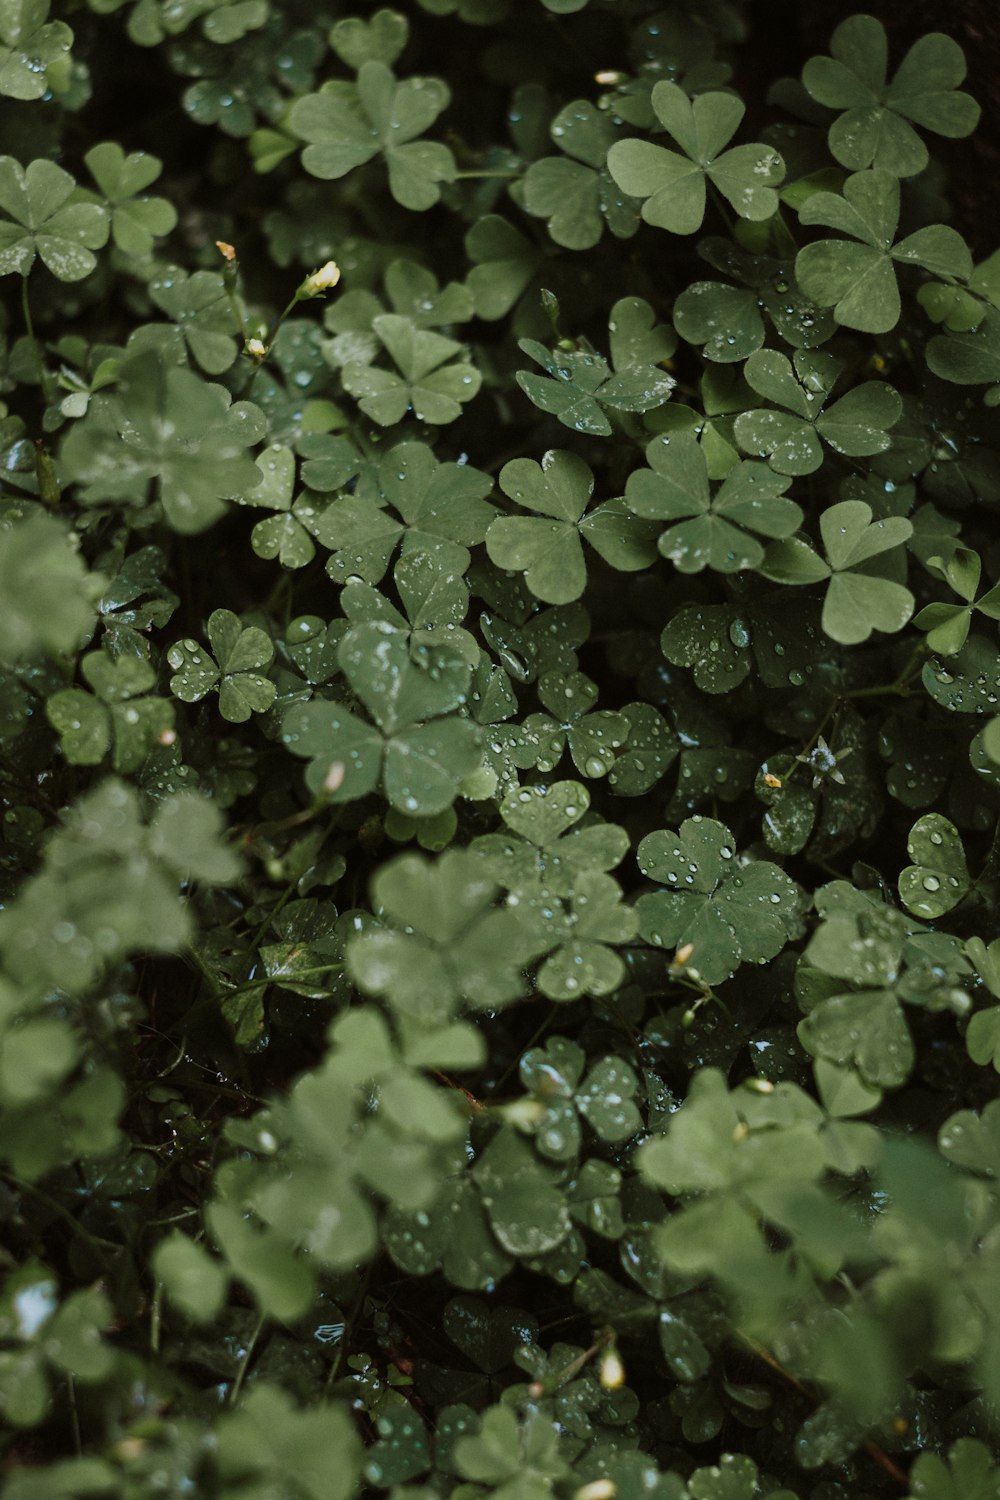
(241, 1373)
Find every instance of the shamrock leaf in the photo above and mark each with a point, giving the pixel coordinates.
(712, 530)
(135, 600)
(593, 738)
(435, 600)
(575, 192)
(201, 310)
(135, 221)
(969, 1473)
(347, 124)
(281, 535)
(856, 602)
(443, 943)
(430, 382)
(970, 358)
(241, 653)
(874, 129)
(712, 641)
(969, 681)
(789, 439)
(939, 877)
(579, 384)
(947, 625)
(728, 320)
(38, 219)
(527, 1210)
(421, 765)
(413, 293)
(119, 716)
(730, 910)
(857, 277)
(548, 848)
(381, 39)
(29, 45)
(674, 185)
(549, 551)
(411, 499)
(502, 265)
(49, 597)
(164, 424)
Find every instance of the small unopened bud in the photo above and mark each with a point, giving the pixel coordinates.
(609, 77)
(612, 1373)
(524, 1114)
(771, 780)
(741, 1132)
(682, 955)
(321, 280)
(228, 252)
(334, 778)
(256, 348)
(166, 736)
(759, 1085)
(597, 1489)
(536, 1390)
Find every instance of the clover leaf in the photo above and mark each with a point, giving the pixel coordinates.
(200, 307)
(50, 599)
(947, 625)
(856, 276)
(435, 601)
(29, 45)
(712, 529)
(713, 641)
(162, 424)
(115, 714)
(430, 382)
(730, 910)
(444, 944)
(549, 551)
(347, 124)
(970, 358)
(789, 439)
(502, 264)
(381, 39)
(411, 499)
(857, 602)
(241, 652)
(593, 738)
(575, 192)
(136, 221)
(39, 219)
(874, 129)
(527, 1210)
(674, 185)
(421, 764)
(579, 383)
(939, 877)
(728, 320)
(281, 535)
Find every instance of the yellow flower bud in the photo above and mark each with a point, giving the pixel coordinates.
(321, 280)
(683, 953)
(771, 780)
(612, 1370)
(256, 348)
(228, 252)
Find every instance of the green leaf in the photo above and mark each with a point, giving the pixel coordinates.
(194, 1281)
(866, 1029)
(676, 486)
(164, 425)
(731, 912)
(40, 220)
(874, 128)
(347, 124)
(29, 45)
(939, 877)
(527, 1211)
(577, 196)
(858, 280)
(136, 221)
(673, 185)
(50, 599)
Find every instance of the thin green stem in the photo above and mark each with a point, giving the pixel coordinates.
(44, 378)
(241, 1373)
(507, 174)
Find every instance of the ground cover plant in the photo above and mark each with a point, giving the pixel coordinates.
(500, 727)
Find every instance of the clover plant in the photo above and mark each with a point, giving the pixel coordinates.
(499, 755)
